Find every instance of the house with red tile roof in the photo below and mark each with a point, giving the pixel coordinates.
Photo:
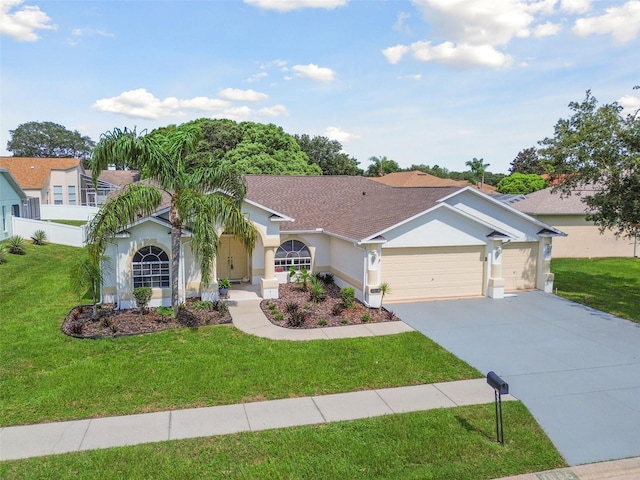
(425, 242)
(64, 181)
(417, 178)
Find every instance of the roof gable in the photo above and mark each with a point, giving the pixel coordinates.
(12, 182)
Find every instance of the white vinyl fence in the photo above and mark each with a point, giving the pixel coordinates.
(56, 232)
(67, 212)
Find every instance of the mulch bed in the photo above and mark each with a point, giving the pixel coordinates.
(319, 315)
(117, 323)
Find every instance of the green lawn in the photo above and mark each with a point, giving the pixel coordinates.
(48, 376)
(608, 284)
(73, 223)
(456, 443)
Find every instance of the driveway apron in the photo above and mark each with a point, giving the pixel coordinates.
(577, 369)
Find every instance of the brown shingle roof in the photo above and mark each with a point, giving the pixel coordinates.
(417, 178)
(547, 202)
(33, 172)
(351, 207)
(118, 177)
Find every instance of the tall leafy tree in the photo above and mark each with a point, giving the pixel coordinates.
(478, 169)
(48, 139)
(201, 198)
(599, 146)
(381, 166)
(521, 183)
(328, 155)
(527, 161)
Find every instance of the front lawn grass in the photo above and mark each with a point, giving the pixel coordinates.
(456, 443)
(47, 376)
(73, 223)
(608, 284)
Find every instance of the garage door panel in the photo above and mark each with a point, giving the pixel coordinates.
(519, 266)
(414, 273)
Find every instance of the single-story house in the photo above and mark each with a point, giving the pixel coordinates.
(417, 178)
(568, 213)
(12, 202)
(439, 242)
(63, 181)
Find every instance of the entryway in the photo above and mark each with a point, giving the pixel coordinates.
(232, 261)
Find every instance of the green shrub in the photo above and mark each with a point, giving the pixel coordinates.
(344, 321)
(224, 283)
(142, 296)
(203, 305)
(38, 237)
(365, 318)
(337, 309)
(222, 308)
(15, 244)
(322, 322)
(316, 290)
(348, 296)
(165, 311)
(278, 317)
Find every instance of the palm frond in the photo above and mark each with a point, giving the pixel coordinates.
(136, 200)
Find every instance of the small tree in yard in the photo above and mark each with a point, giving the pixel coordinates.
(87, 276)
(384, 289)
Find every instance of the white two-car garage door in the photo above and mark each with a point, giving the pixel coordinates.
(433, 272)
(519, 261)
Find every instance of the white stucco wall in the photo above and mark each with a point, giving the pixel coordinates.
(348, 265)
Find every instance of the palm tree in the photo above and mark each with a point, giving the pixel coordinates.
(201, 197)
(478, 169)
(86, 275)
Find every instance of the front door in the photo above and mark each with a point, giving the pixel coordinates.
(231, 261)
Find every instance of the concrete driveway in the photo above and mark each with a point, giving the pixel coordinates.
(576, 369)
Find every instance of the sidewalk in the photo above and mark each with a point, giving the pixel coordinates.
(627, 469)
(62, 437)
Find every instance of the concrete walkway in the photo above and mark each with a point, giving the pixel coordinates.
(244, 304)
(63, 437)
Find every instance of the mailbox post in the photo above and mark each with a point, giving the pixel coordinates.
(499, 387)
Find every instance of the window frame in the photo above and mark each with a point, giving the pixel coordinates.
(292, 250)
(151, 267)
(58, 195)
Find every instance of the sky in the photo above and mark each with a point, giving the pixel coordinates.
(436, 82)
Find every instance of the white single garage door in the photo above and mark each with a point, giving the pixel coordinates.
(433, 272)
(519, 265)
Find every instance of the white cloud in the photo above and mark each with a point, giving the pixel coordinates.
(630, 104)
(288, 5)
(400, 26)
(274, 111)
(78, 33)
(395, 54)
(314, 72)
(575, 6)
(22, 24)
(463, 55)
(237, 95)
(237, 113)
(623, 23)
(336, 133)
(546, 29)
(140, 103)
(257, 77)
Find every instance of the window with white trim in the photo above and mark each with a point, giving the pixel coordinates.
(72, 194)
(150, 268)
(292, 253)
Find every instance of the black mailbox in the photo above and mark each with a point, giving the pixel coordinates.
(497, 383)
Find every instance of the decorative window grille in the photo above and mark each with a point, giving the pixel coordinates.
(150, 268)
(292, 253)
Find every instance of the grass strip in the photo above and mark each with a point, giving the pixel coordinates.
(608, 284)
(456, 443)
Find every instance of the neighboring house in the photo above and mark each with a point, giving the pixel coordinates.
(417, 178)
(568, 213)
(61, 181)
(424, 242)
(108, 181)
(12, 198)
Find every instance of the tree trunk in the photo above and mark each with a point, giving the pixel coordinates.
(176, 231)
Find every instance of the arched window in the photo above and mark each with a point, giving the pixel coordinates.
(150, 268)
(293, 253)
